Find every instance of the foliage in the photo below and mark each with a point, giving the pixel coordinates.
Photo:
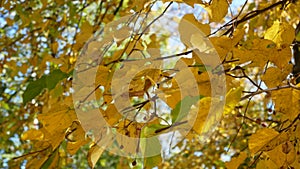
(43, 42)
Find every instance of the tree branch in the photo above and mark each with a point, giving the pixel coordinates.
(251, 15)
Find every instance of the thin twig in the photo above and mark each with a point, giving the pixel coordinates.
(253, 14)
(266, 91)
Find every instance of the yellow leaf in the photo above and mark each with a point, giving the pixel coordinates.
(94, 154)
(287, 102)
(266, 164)
(205, 28)
(204, 84)
(111, 115)
(188, 26)
(72, 60)
(280, 156)
(54, 47)
(193, 2)
(9, 21)
(102, 75)
(58, 118)
(296, 163)
(76, 138)
(208, 112)
(32, 134)
(24, 68)
(143, 80)
(127, 131)
(232, 99)
(273, 77)
(56, 121)
(281, 56)
(296, 133)
(235, 162)
(86, 31)
(201, 110)
(224, 44)
(258, 51)
(217, 10)
(262, 137)
(164, 1)
(171, 95)
(135, 44)
(281, 33)
(37, 162)
(139, 5)
(154, 42)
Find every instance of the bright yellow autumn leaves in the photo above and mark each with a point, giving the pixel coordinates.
(287, 102)
(209, 111)
(278, 148)
(217, 10)
(281, 33)
(137, 94)
(139, 78)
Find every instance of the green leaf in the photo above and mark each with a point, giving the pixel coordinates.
(46, 81)
(52, 161)
(150, 130)
(150, 162)
(54, 77)
(149, 147)
(183, 107)
(33, 89)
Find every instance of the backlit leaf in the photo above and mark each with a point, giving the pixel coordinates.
(281, 158)
(273, 77)
(94, 154)
(260, 139)
(152, 130)
(205, 114)
(232, 99)
(53, 161)
(112, 115)
(235, 162)
(149, 147)
(76, 138)
(217, 10)
(182, 108)
(192, 20)
(56, 121)
(33, 134)
(287, 103)
(150, 162)
(266, 164)
(280, 33)
(223, 44)
(85, 33)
